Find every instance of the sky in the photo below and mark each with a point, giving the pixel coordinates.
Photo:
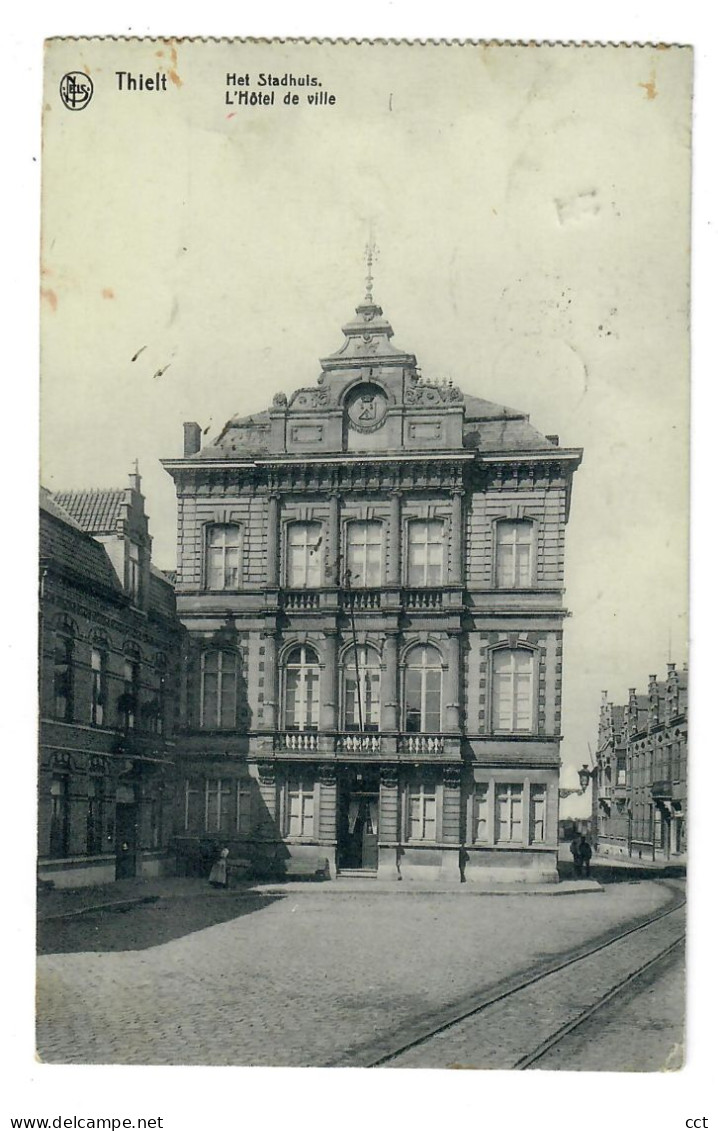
(531, 210)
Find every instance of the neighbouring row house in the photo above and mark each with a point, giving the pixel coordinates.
(641, 774)
(109, 652)
(370, 575)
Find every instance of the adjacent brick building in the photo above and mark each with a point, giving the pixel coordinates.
(370, 573)
(109, 654)
(641, 774)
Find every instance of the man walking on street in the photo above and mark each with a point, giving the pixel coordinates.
(576, 853)
(585, 853)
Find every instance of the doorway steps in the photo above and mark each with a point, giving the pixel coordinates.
(356, 873)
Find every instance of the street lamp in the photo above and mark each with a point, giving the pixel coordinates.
(585, 776)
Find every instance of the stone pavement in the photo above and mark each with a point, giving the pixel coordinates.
(303, 976)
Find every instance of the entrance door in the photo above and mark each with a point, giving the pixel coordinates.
(358, 818)
(125, 840)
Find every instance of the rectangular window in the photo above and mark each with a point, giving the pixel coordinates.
(192, 815)
(95, 815)
(218, 805)
(218, 692)
(304, 555)
(98, 665)
(512, 691)
(244, 806)
(364, 545)
(509, 812)
(223, 557)
(481, 813)
(156, 822)
(538, 814)
(131, 695)
(300, 808)
(422, 812)
(621, 771)
(62, 677)
(133, 571)
(59, 816)
(514, 553)
(426, 553)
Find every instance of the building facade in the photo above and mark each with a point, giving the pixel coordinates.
(641, 798)
(370, 574)
(109, 660)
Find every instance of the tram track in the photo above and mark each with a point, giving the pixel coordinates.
(516, 1023)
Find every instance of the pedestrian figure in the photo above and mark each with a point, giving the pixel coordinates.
(585, 853)
(218, 875)
(576, 853)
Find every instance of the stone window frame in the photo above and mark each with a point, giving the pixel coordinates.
(290, 522)
(283, 662)
(404, 666)
(515, 519)
(221, 650)
(346, 662)
(513, 646)
(227, 522)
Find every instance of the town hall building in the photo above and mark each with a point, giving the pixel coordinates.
(370, 575)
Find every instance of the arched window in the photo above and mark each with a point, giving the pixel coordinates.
(364, 554)
(514, 554)
(59, 815)
(512, 690)
(304, 555)
(62, 672)
(218, 690)
(362, 673)
(301, 689)
(223, 553)
(422, 691)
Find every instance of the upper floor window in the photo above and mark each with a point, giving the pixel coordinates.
(425, 558)
(218, 690)
(130, 699)
(512, 690)
(364, 544)
(62, 674)
(422, 691)
(361, 689)
(514, 554)
(134, 577)
(304, 561)
(223, 556)
(95, 814)
(98, 691)
(301, 689)
(621, 770)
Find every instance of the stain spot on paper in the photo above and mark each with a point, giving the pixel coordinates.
(172, 70)
(49, 296)
(650, 87)
(107, 292)
(162, 370)
(578, 207)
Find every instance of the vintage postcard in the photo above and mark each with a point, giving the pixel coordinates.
(364, 554)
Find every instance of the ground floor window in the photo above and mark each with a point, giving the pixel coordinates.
(509, 814)
(481, 813)
(59, 815)
(422, 812)
(217, 806)
(95, 815)
(299, 819)
(537, 832)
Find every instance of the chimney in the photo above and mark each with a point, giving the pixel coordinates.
(192, 438)
(671, 668)
(135, 477)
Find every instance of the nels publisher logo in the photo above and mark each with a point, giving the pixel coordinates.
(76, 90)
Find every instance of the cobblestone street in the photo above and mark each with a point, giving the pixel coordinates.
(297, 980)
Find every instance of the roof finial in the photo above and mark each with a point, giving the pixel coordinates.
(371, 252)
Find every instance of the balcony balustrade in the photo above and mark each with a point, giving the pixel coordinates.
(431, 744)
(300, 599)
(297, 742)
(355, 743)
(423, 598)
(361, 600)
